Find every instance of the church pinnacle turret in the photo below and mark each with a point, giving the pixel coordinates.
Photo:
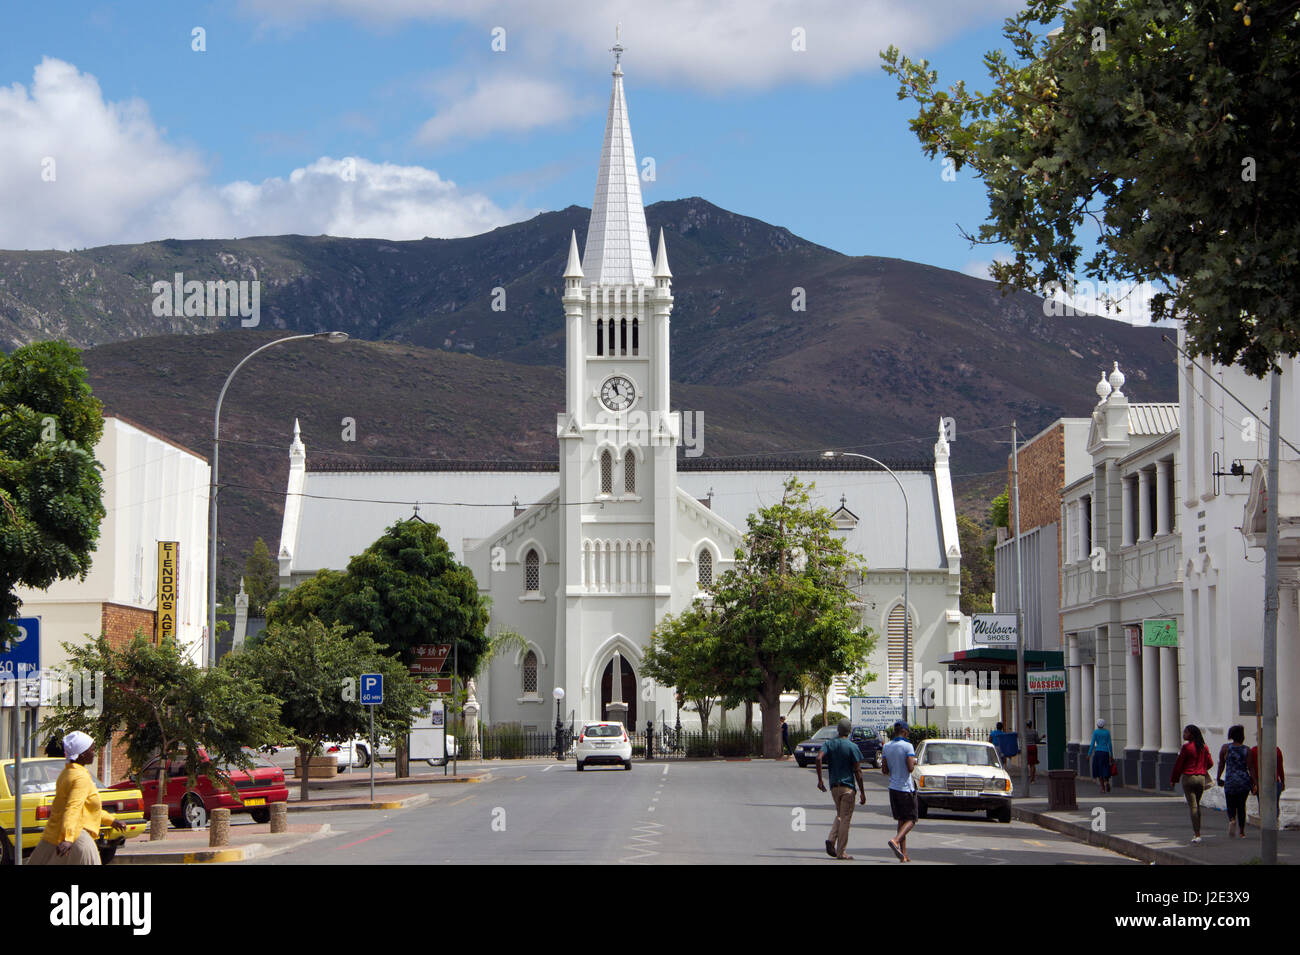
(618, 243)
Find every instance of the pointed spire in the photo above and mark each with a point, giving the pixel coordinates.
(618, 243)
(661, 259)
(297, 448)
(574, 269)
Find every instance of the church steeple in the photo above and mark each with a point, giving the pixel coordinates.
(618, 243)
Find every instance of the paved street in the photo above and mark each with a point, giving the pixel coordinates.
(676, 812)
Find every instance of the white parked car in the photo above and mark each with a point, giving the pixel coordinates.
(356, 753)
(603, 742)
(962, 775)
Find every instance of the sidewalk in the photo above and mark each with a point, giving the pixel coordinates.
(189, 846)
(1150, 827)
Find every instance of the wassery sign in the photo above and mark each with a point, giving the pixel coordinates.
(1044, 681)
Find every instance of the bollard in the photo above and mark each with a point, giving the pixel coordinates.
(157, 822)
(219, 828)
(279, 817)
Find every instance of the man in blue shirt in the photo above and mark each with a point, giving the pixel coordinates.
(844, 759)
(897, 760)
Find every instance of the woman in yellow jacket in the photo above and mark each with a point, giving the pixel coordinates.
(76, 815)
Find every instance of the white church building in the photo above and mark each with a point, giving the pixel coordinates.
(620, 529)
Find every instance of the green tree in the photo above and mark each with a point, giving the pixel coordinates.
(166, 705)
(977, 577)
(261, 579)
(1167, 127)
(51, 493)
(405, 589)
(314, 671)
(785, 609)
(999, 511)
(681, 655)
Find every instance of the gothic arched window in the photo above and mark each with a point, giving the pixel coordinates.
(629, 473)
(600, 336)
(532, 573)
(704, 568)
(606, 473)
(622, 337)
(636, 338)
(530, 674)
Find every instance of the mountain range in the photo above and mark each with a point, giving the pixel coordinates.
(783, 344)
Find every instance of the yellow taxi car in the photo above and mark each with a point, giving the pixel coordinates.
(39, 777)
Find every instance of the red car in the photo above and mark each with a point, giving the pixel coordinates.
(188, 807)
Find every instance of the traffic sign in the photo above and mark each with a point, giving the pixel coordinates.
(440, 684)
(23, 658)
(430, 658)
(372, 689)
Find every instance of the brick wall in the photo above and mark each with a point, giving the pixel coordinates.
(1042, 475)
(118, 624)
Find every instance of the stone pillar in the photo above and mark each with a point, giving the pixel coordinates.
(219, 828)
(1074, 714)
(1133, 707)
(471, 721)
(238, 635)
(279, 817)
(1126, 499)
(1163, 488)
(1150, 716)
(1170, 741)
(1087, 714)
(1288, 666)
(157, 822)
(1144, 506)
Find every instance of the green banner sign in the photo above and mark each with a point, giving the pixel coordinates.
(1159, 633)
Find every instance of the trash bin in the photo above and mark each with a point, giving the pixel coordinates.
(1060, 789)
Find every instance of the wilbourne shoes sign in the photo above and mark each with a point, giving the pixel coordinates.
(994, 629)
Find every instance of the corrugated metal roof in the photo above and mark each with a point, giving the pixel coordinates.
(1149, 419)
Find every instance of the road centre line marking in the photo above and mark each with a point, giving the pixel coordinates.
(366, 839)
(461, 800)
(549, 768)
(665, 772)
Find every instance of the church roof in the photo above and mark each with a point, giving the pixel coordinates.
(1154, 418)
(618, 243)
(786, 463)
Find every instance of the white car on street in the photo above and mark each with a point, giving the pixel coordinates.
(603, 742)
(962, 775)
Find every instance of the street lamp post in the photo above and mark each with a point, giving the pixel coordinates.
(212, 488)
(558, 693)
(907, 576)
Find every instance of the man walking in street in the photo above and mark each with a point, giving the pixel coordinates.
(785, 737)
(897, 760)
(844, 761)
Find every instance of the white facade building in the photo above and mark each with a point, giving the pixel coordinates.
(621, 531)
(1225, 447)
(1121, 566)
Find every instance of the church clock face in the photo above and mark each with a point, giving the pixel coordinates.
(617, 393)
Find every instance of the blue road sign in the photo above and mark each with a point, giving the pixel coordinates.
(372, 689)
(23, 658)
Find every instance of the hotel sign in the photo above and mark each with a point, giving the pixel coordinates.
(169, 557)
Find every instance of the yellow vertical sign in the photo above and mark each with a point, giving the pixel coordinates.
(169, 554)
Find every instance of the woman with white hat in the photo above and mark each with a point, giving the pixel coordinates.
(77, 813)
(1102, 754)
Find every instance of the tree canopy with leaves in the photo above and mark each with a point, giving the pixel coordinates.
(314, 671)
(261, 579)
(165, 704)
(785, 609)
(51, 493)
(405, 589)
(681, 655)
(1168, 129)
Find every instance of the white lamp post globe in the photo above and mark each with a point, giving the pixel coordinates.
(558, 693)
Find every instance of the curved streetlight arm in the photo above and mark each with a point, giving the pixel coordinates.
(213, 485)
(907, 573)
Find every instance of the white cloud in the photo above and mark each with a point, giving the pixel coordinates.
(502, 104)
(724, 44)
(117, 179)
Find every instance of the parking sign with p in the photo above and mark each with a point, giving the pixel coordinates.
(372, 689)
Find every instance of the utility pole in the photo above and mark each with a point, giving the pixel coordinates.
(1020, 617)
(1268, 736)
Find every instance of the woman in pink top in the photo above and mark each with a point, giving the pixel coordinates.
(1193, 766)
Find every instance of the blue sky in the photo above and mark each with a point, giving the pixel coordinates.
(152, 139)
